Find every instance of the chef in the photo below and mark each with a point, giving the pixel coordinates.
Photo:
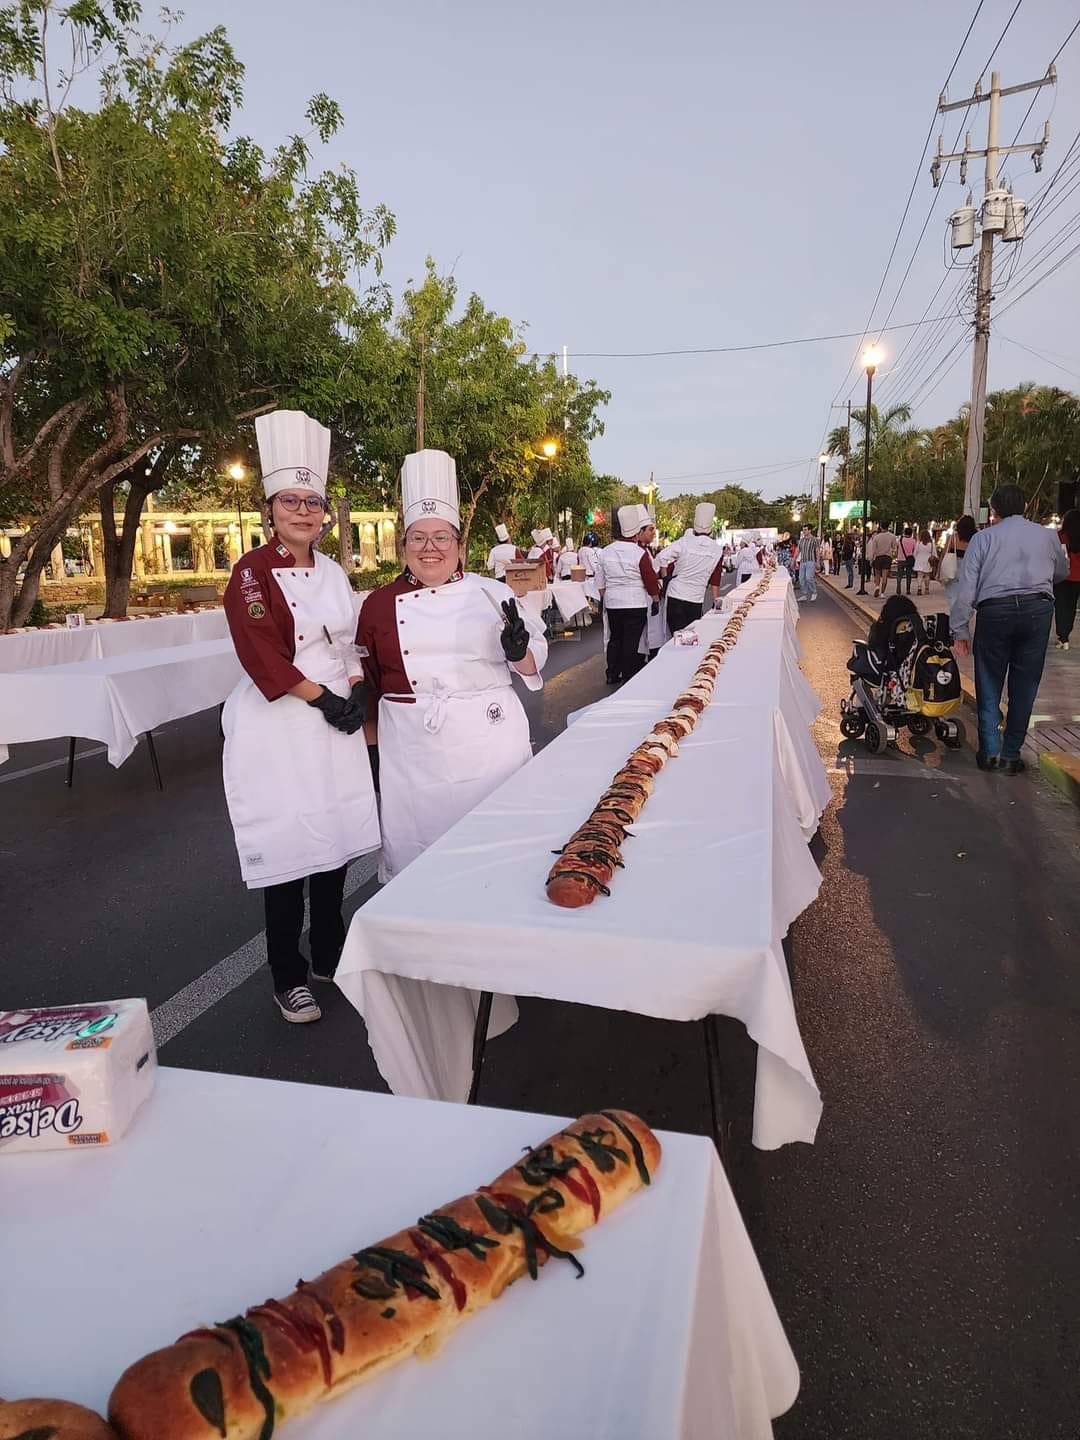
(440, 649)
(502, 554)
(589, 557)
(297, 778)
(696, 565)
(629, 587)
(568, 559)
(543, 548)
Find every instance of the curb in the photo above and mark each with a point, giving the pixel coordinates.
(1062, 770)
(967, 685)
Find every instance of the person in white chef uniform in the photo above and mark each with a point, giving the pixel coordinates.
(502, 554)
(696, 566)
(543, 548)
(440, 650)
(297, 778)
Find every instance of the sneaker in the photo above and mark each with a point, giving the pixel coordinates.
(1012, 767)
(986, 762)
(1062, 644)
(298, 1005)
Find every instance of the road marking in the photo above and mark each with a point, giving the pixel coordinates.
(180, 1010)
(52, 764)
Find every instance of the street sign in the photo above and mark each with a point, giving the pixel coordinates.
(846, 509)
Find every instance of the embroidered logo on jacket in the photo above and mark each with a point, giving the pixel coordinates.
(495, 714)
(256, 610)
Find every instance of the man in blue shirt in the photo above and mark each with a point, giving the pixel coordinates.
(1008, 576)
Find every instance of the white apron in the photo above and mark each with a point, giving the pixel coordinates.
(467, 731)
(299, 793)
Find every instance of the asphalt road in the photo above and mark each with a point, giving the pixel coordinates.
(922, 1253)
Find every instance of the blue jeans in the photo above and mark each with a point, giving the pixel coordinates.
(808, 579)
(1010, 640)
(849, 566)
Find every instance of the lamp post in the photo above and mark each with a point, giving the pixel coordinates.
(823, 460)
(236, 475)
(549, 449)
(872, 358)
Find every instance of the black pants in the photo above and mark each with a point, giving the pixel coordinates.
(285, 920)
(624, 636)
(905, 569)
(681, 613)
(1066, 594)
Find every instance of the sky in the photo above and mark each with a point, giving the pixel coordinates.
(623, 176)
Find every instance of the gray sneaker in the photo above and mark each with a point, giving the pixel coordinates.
(298, 1005)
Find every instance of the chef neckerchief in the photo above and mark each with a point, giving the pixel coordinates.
(459, 574)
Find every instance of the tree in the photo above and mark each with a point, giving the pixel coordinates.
(158, 285)
(484, 401)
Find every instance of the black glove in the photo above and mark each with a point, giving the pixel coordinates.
(515, 636)
(654, 608)
(344, 715)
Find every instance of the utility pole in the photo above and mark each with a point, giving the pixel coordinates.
(996, 220)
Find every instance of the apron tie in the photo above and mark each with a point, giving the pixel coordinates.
(435, 713)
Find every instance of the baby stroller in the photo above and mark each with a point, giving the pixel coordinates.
(903, 674)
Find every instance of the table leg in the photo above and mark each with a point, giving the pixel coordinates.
(154, 760)
(71, 763)
(716, 1079)
(483, 1017)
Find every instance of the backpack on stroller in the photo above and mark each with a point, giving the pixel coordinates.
(903, 674)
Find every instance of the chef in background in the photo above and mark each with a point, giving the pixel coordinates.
(696, 565)
(543, 548)
(568, 558)
(502, 554)
(629, 588)
(440, 650)
(589, 557)
(297, 779)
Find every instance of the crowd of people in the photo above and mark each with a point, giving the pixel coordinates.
(425, 675)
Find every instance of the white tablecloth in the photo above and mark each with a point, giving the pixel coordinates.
(570, 597)
(228, 1188)
(116, 700)
(31, 649)
(728, 821)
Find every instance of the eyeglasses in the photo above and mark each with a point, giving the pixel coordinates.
(293, 503)
(442, 540)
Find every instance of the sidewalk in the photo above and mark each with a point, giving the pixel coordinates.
(1053, 741)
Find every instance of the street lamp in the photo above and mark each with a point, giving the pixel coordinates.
(236, 475)
(823, 460)
(549, 449)
(872, 358)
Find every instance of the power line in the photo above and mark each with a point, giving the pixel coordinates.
(716, 349)
(914, 185)
(1046, 276)
(774, 467)
(1039, 355)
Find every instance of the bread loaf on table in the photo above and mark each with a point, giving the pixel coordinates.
(50, 1420)
(239, 1379)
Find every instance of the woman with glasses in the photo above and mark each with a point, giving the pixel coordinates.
(297, 777)
(440, 650)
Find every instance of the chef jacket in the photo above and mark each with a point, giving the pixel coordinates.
(629, 576)
(698, 564)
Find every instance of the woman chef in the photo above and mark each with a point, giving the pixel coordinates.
(297, 778)
(439, 650)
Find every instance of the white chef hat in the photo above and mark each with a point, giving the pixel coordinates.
(704, 515)
(502, 534)
(294, 452)
(541, 537)
(632, 518)
(429, 488)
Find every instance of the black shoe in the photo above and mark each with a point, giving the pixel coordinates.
(986, 762)
(297, 1005)
(1012, 767)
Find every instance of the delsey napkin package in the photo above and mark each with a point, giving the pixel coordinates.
(73, 1075)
